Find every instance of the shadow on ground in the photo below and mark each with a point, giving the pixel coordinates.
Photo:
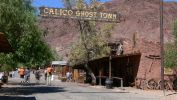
(25, 84)
(30, 90)
(99, 92)
(16, 98)
(171, 94)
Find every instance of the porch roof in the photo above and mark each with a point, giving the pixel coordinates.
(4, 44)
(106, 59)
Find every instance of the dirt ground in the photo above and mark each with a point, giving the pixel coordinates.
(85, 88)
(163, 95)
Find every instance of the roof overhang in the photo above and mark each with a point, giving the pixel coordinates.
(106, 59)
(62, 63)
(4, 44)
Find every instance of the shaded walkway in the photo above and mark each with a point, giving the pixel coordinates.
(30, 90)
(16, 98)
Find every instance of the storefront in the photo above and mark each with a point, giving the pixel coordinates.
(123, 66)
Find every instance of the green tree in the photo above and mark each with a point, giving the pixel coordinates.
(92, 42)
(170, 55)
(18, 21)
(6, 62)
(171, 50)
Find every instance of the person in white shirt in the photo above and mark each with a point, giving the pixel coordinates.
(68, 76)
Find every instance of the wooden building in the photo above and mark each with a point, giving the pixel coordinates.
(4, 44)
(123, 66)
(61, 67)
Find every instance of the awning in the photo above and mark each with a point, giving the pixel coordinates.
(62, 63)
(106, 59)
(4, 44)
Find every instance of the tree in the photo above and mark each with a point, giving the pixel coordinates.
(18, 21)
(171, 50)
(170, 55)
(92, 42)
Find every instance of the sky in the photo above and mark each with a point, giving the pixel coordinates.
(52, 3)
(170, 0)
(58, 3)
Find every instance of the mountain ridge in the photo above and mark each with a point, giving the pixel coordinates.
(138, 16)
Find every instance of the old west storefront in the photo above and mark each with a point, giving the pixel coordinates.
(139, 64)
(123, 66)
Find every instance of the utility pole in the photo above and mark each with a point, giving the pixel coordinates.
(110, 66)
(162, 45)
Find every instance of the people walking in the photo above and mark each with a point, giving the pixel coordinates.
(49, 75)
(37, 75)
(27, 75)
(45, 74)
(69, 76)
(22, 73)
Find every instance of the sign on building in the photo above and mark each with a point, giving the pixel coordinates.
(59, 63)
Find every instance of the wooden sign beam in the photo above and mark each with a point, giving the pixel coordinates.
(79, 14)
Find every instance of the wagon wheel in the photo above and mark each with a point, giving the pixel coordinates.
(152, 84)
(143, 84)
(175, 84)
(159, 85)
(166, 85)
(137, 83)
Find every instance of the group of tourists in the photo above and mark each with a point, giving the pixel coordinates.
(25, 74)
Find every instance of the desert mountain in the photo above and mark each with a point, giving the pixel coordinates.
(138, 16)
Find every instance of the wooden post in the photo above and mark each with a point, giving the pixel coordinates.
(100, 74)
(110, 58)
(162, 45)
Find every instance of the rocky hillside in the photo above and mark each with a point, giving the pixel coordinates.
(138, 16)
(142, 16)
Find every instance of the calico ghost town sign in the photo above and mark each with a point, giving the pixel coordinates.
(79, 14)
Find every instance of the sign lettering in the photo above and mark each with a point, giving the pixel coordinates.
(79, 14)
